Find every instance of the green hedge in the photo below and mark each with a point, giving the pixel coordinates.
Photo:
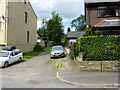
(99, 47)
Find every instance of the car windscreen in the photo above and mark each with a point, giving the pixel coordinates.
(56, 48)
(4, 54)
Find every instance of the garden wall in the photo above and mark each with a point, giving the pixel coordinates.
(104, 66)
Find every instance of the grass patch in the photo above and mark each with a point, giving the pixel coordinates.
(56, 63)
(49, 62)
(29, 55)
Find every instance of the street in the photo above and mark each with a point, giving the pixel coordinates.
(33, 73)
(39, 72)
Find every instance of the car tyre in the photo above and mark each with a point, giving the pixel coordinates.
(6, 65)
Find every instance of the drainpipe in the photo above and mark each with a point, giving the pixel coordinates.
(5, 22)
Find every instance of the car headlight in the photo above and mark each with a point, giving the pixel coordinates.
(51, 53)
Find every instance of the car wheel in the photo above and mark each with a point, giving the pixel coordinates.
(19, 60)
(6, 65)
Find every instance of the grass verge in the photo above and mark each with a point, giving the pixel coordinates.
(57, 63)
(29, 55)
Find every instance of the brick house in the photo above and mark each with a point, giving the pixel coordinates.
(103, 15)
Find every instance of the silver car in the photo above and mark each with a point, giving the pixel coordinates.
(57, 51)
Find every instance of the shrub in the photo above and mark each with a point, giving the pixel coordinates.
(97, 33)
(99, 47)
(37, 47)
(71, 54)
(88, 31)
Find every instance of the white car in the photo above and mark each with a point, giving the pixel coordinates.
(9, 57)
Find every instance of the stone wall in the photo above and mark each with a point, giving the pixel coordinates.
(104, 66)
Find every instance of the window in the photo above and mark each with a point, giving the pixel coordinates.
(16, 52)
(105, 11)
(24, 1)
(25, 17)
(12, 54)
(28, 36)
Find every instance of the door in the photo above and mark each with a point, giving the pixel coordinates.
(12, 57)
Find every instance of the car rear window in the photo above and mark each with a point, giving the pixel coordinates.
(4, 54)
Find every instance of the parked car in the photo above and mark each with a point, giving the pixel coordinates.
(9, 48)
(57, 51)
(8, 57)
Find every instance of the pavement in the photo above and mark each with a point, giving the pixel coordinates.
(71, 75)
(90, 79)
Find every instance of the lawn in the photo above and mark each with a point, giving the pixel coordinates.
(29, 55)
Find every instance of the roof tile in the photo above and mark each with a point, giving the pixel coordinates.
(75, 34)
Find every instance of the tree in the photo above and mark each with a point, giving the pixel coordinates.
(79, 23)
(54, 28)
(42, 31)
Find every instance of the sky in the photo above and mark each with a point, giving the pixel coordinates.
(67, 9)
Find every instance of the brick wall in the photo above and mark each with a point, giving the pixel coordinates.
(92, 12)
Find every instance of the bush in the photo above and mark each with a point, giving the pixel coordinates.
(97, 33)
(71, 54)
(99, 47)
(37, 47)
(88, 32)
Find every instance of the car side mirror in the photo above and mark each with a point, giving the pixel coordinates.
(10, 56)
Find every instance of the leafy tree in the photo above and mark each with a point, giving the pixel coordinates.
(42, 31)
(64, 39)
(79, 23)
(54, 28)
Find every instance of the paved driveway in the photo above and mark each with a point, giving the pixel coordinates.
(33, 73)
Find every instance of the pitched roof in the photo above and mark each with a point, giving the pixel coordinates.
(100, 1)
(75, 34)
(108, 23)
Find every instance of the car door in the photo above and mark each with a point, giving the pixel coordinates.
(16, 53)
(12, 57)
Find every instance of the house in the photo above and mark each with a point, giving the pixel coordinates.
(40, 41)
(18, 25)
(73, 35)
(103, 15)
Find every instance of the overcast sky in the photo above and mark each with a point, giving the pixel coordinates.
(67, 9)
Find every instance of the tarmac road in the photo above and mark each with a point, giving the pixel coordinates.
(33, 73)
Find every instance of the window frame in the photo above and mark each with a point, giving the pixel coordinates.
(26, 17)
(28, 36)
(105, 9)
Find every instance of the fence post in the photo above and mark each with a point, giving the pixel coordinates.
(101, 66)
